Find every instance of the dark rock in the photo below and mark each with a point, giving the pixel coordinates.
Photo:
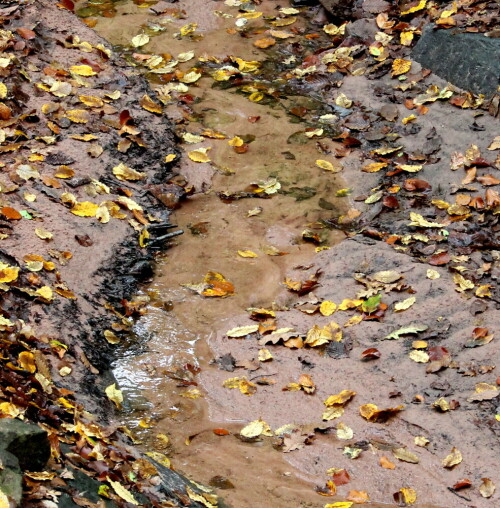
(169, 194)
(470, 61)
(11, 477)
(342, 9)
(142, 269)
(26, 441)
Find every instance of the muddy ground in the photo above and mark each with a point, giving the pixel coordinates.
(368, 268)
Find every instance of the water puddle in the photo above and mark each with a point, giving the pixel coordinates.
(172, 386)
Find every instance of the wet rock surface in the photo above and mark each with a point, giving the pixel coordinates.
(470, 61)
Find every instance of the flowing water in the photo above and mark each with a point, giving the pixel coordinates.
(172, 386)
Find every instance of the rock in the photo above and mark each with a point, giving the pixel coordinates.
(468, 60)
(26, 441)
(342, 9)
(11, 477)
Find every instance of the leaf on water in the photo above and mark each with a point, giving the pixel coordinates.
(140, 40)
(114, 395)
(454, 458)
(242, 331)
(432, 274)
(214, 285)
(328, 166)
(255, 429)
(247, 254)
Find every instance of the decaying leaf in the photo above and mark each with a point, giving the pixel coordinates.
(373, 414)
(405, 455)
(242, 331)
(454, 458)
(487, 487)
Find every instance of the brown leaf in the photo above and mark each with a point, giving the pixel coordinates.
(440, 259)
(370, 354)
(487, 488)
(488, 180)
(341, 477)
(415, 184)
(11, 213)
(462, 484)
(386, 463)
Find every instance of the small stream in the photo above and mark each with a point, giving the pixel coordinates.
(171, 403)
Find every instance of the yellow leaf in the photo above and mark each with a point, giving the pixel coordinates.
(199, 155)
(114, 395)
(191, 77)
(121, 491)
(256, 96)
(264, 355)
(406, 38)
(160, 458)
(78, 115)
(400, 66)
(93, 102)
(45, 292)
(421, 5)
(373, 167)
(317, 336)
(343, 101)
(143, 236)
(409, 495)
(454, 458)
(43, 234)
(170, 157)
(354, 320)
(339, 504)
(236, 141)
(405, 455)
(410, 168)
(328, 166)
(150, 105)
(26, 360)
(188, 29)
(327, 308)
(347, 304)
(123, 172)
(247, 66)
(82, 70)
(255, 429)
(111, 337)
(344, 432)
(247, 254)
(405, 304)
(372, 413)
(332, 413)
(84, 209)
(421, 441)
(408, 119)
(340, 398)
(432, 274)
(140, 40)
(418, 220)
(419, 356)
(463, 283)
(3, 91)
(8, 273)
(242, 331)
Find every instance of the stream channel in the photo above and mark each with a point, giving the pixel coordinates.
(259, 208)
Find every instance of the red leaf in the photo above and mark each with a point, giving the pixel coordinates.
(66, 4)
(390, 202)
(462, 484)
(415, 184)
(26, 33)
(370, 354)
(221, 432)
(341, 478)
(439, 259)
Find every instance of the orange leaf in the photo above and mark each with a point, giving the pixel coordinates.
(358, 496)
(221, 432)
(386, 463)
(11, 213)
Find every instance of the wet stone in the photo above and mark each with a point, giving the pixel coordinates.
(468, 60)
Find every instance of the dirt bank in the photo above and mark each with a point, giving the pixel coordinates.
(86, 155)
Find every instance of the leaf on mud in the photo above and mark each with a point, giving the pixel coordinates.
(340, 398)
(462, 283)
(150, 105)
(405, 455)
(114, 395)
(386, 463)
(432, 274)
(8, 273)
(318, 336)
(405, 496)
(372, 413)
(487, 487)
(255, 429)
(78, 115)
(421, 441)
(140, 40)
(407, 330)
(484, 391)
(419, 356)
(358, 496)
(400, 66)
(387, 276)
(121, 491)
(405, 304)
(264, 355)
(264, 43)
(307, 384)
(84, 209)
(418, 220)
(344, 432)
(451, 460)
(82, 70)
(242, 331)
(199, 155)
(123, 172)
(327, 308)
(374, 167)
(245, 387)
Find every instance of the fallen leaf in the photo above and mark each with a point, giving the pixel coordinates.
(199, 155)
(140, 40)
(242, 331)
(400, 66)
(386, 463)
(344, 432)
(405, 304)
(247, 254)
(121, 491)
(255, 429)
(451, 460)
(407, 330)
(114, 395)
(487, 487)
(405, 455)
(123, 172)
(372, 413)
